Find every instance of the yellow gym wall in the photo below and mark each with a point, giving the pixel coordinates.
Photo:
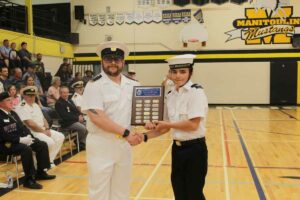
(298, 84)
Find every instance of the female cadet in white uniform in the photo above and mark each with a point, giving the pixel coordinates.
(186, 112)
(107, 100)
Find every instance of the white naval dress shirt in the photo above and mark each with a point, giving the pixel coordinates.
(187, 103)
(114, 99)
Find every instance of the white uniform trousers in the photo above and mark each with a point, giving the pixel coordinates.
(109, 163)
(54, 142)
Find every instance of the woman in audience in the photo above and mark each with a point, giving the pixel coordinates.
(16, 98)
(53, 91)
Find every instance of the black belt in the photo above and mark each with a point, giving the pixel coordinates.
(188, 142)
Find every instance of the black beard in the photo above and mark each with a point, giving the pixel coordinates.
(115, 74)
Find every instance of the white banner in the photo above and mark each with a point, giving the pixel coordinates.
(138, 17)
(129, 18)
(110, 19)
(120, 18)
(157, 16)
(93, 19)
(101, 19)
(148, 16)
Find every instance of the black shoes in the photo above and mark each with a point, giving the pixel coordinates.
(32, 184)
(82, 147)
(44, 176)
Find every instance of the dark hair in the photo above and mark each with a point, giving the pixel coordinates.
(5, 40)
(26, 79)
(1, 68)
(23, 43)
(63, 87)
(10, 86)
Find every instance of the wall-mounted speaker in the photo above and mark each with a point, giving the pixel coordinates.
(238, 1)
(296, 41)
(219, 1)
(79, 12)
(74, 38)
(200, 2)
(181, 2)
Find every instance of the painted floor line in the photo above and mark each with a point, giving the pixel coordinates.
(255, 176)
(225, 155)
(216, 166)
(153, 172)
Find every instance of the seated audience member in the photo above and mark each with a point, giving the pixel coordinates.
(14, 59)
(78, 77)
(4, 50)
(53, 91)
(16, 78)
(71, 118)
(63, 72)
(40, 69)
(25, 55)
(131, 74)
(16, 139)
(4, 77)
(48, 112)
(77, 96)
(15, 97)
(30, 71)
(31, 114)
(1, 87)
(88, 76)
(168, 83)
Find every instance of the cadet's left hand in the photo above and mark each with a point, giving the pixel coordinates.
(161, 125)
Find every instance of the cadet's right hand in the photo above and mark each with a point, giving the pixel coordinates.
(134, 139)
(28, 140)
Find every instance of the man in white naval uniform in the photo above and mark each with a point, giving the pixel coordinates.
(77, 96)
(107, 101)
(31, 114)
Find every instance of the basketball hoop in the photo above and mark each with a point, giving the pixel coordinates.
(193, 34)
(193, 40)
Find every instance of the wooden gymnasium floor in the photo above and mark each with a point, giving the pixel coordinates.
(254, 153)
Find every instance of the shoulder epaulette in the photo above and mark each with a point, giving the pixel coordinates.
(129, 77)
(197, 86)
(96, 77)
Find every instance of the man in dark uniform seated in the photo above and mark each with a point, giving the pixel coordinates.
(71, 117)
(16, 139)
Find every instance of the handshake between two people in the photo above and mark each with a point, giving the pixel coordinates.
(135, 137)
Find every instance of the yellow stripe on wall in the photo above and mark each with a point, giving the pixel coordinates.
(204, 56)
(38, 44)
